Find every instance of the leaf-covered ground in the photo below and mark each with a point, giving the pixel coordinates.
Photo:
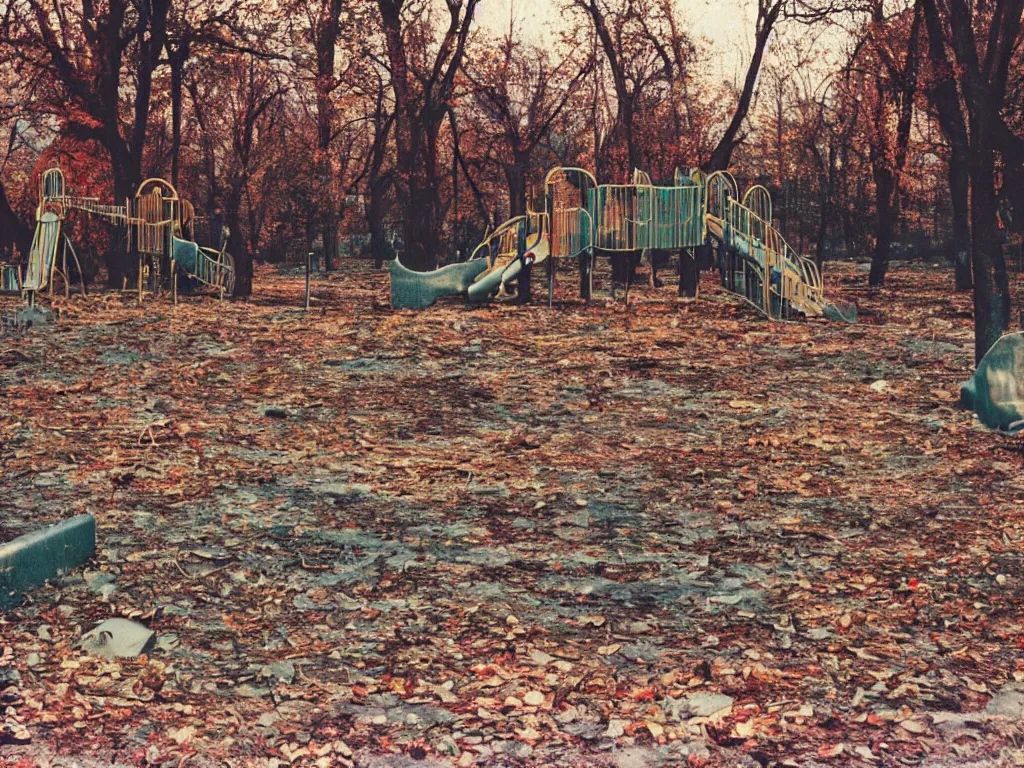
(587, 535)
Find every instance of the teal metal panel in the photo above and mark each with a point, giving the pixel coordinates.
(30, 560)
(676, 218)
(186, 255)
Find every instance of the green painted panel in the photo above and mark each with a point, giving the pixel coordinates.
(186, 255)
(30, 560)
(996, 390)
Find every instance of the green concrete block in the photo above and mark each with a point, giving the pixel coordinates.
(996, 390)
(30, 560)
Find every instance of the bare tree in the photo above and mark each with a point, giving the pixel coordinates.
(984, 39)
(891, 56)
(943, 95)
(85, 53)
(634, 64)
(520, 93)
(243, 94)
(422, 77)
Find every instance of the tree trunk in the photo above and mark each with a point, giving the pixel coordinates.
(959, 184)
(946, 99)
(515, 176)
(689, 277)
(722, 153)
(236, 244)
(885, 187)
(417, 161)
(375, 220)
(585, 262)
(13, 231)
(330, 238)
(523, 292)
(177, 64)
(991, 286)
(824, 215)
(120, 261)
(326, 40)
(378, 181)
(628, 114)
(329, 231)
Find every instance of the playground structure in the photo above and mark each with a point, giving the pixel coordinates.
(156, 221)
(583, 219)
(48, 240)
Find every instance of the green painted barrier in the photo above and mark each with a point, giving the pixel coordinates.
(30, 560)
(996, 390)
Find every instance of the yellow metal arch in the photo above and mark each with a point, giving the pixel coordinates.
(759, 200)
(720, 188)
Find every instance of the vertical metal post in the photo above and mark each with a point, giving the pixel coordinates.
(309, 265)
(64, 264)
(551, 281)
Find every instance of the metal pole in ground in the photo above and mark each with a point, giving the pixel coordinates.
(309, 265)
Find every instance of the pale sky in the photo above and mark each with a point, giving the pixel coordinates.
(728, 24)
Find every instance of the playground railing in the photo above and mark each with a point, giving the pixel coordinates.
(216, 268)
(676, 220)
(538, 224)
(720, 188)
(622, 213)
(786, 276)
(151, 235)
(503, 242)
(569, 200)
(571, 231)
(10, 278)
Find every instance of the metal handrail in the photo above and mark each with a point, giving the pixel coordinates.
(799, 277)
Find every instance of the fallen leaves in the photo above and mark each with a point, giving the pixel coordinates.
(487, 542)
(182, 735)
(533, 698)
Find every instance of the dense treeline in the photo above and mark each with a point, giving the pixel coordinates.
(884, 129)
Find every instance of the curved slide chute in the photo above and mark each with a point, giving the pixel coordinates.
(494, 264)
(214, 269)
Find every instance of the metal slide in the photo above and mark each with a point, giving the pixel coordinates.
(214, 269)
(43, 254)
(494, 264)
